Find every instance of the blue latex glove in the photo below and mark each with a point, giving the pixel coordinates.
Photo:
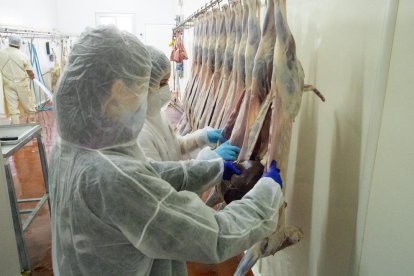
(229, 170)
(215, 135)
(227, 152)
(274, 173)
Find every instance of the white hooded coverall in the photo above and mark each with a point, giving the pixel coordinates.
(157, 140)
(13, 66)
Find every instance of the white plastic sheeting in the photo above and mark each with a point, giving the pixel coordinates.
(44, 89)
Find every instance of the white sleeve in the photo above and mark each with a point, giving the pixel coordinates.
(192, 175)
(166, 224)
(206, 154)
(192, 141)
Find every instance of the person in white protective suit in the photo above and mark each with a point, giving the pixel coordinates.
(16, 71)
(157, 139)
(160, 143)
(113, 212)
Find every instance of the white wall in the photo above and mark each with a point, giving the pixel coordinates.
(388, 242)
(33, 14)
(348, 184)
(74, 16)
(154, 19)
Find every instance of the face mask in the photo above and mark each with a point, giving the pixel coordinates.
(133, 119)
(165, 95)
(133, 122)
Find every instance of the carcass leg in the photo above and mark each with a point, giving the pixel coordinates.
(308, 87)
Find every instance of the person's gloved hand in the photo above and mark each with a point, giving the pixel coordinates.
(229, 170)
(215, 135)
(274, 173)
(227, 152)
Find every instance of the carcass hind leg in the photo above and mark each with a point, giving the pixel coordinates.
(308, 87)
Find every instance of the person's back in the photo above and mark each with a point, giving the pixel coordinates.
(16, 71)
(13, 65)
(160, 143)
(86, 241)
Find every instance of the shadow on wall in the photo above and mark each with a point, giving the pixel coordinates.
(304, 175)
(336, 250)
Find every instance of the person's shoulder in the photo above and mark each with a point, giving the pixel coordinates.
(22, 55)
(17, 54)
(115, 163)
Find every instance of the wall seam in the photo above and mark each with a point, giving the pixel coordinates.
(375, 127)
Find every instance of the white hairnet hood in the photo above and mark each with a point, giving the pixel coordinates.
(15, 40)
(85, 93)
(161, 66)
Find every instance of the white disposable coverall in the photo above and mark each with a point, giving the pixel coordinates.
(157, 140)
(13, 66)
(113, 213)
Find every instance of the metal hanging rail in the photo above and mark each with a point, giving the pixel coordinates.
(26, 33)
(195, 14)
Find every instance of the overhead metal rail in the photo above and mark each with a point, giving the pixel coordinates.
(26, 33)
(189, 20)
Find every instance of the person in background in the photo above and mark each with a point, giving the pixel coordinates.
(158, 140)
(114, 212)
(160, 143)
(16, 71)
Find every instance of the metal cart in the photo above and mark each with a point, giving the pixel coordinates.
(21, 135)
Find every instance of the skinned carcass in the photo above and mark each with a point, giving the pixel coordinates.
(287, 88)
(265, 88)
(260, 88)
(178, 54)
(238, 127)
(203, 57)
(201, 98)
(220, 47)
(238, 81)
(230, 18)
(191, 88)
(195, 66)
(259, 80)
(229, 93)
